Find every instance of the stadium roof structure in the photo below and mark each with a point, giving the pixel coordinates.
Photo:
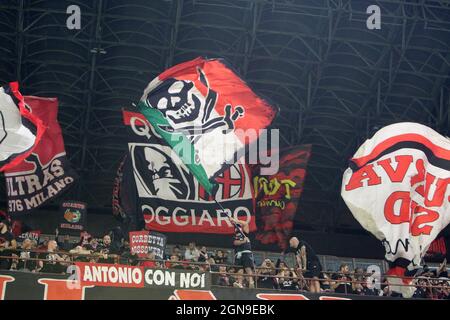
(334, 80)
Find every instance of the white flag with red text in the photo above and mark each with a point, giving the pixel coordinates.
(397, 189)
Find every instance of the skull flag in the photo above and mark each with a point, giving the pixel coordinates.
(20, 130)
(46, 172)
(397, 188)
(157, 190)
(205, 112)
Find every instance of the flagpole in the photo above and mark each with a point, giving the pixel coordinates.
(229, 216)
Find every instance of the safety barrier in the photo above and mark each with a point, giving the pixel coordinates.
(362, 278)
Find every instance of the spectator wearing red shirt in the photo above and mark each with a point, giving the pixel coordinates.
(147, 263)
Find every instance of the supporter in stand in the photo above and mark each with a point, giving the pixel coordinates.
(106, 251)
(202, 255)
(212, 264)
(52, 262)
(43, 245)
(368, 285)
(325, 284)
(358, 278)
(444, 292)
(342, 281)
(288, 280)
(8, 243)
(66, 245)
(243, 249)
(191, 253)
(117, 239)
(308, 263)
(421, 288)
(23, 264)
(174, 263)
(147, 263)
(176, 251)
(239, 279)
(222, 279)
(265, 275)
(281, 268)
(232, 273)
(220, 257)
(126, 256)
(85, 238)
(81, 254)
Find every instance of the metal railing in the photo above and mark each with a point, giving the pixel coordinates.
(352, 279)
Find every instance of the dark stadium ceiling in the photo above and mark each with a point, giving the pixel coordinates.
(334, 80)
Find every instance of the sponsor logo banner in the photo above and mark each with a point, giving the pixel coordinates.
(143, 242)
(44, 174)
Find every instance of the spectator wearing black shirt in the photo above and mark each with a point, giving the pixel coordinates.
(65, 245)
(203, 255)
(342, 281)
(8, 244)
(307, 262)
(220, 257)
(51, 261)
(107, 251)
(23, 264)
(243, 249)
(421, 289)
(223, 278)
(266, 273)
(288, 280)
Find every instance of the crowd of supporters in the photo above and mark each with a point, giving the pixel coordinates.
(55, 254)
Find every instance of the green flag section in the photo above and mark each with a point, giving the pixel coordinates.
(204, 111)
(178, 141)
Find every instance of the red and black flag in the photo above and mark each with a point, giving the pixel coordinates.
(20, 130)
(277, 196)
(207, 114)
(46, 172)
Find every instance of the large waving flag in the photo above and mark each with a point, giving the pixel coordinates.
(397, 188)
(46, 172)
(20, 130)
(204, 111)
(277, 197)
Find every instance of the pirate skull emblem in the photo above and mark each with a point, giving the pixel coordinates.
(181, 103)
(189, 111)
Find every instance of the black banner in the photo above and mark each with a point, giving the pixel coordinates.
(162, 195)
(73, 217)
